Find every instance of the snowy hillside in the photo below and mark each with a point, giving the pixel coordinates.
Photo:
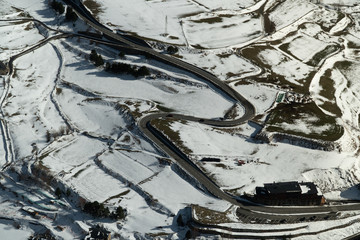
(71, 131)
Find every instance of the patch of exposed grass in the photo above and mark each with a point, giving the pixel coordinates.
(346, 67)
(327, 85)
(269, 26)
(234, 25)
(291, 114)
(343, 65)
(15, 114)
(165, 109)
(331, 107)
(328, 91)
(208, 20)
(94, 7)
(230, 130)
(242, 82)
(207, 216)
(44, 155)
(316, 59)
(232, 113)
(160, 235)
(226, 15)
(118, 195)
(78, 173)
(164, 126)
(252, 53)
(18, 10)
(285, 47)
(224, 55)
(231, 75)
(173, 37)
(198, 46)
(58, 91)
(136, 113)
(352, 44)
(221, 165)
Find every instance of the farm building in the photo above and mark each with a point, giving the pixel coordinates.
(289, 193)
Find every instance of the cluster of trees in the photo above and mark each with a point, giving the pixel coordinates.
(117, 67)
(70, 15)
(58, 7)
(59, 193)
(96, 58)
(98, 210)
(46, 235)
(53, 134)
(126, 68)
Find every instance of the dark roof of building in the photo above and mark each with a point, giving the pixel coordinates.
(282, 187)
(287, 187)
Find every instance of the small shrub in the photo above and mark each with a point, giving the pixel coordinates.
(119, 213)
(121, 55)
(96, 58)
(120, 68)
(58, 192)
(180, 221)
(172, 50)
(143, 71)
(51, 135)
(48, 136)
(58, 91)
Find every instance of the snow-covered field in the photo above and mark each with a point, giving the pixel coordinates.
(221, 29)
(74, 126)
(288, 12)
(265, 161)
(17, 36)
(201, 24)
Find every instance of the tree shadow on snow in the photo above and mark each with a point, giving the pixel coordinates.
(98, 72)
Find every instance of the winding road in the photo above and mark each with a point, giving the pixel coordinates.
(245, 208)
(180, 158)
